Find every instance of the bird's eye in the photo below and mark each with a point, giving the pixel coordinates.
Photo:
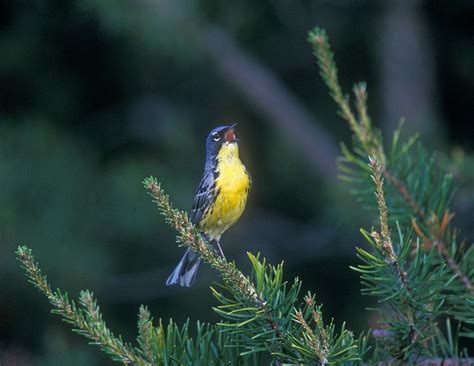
(215, 136)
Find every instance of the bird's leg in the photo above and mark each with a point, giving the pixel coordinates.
(221, 253)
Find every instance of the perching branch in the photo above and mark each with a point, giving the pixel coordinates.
(262, 308)
(240, 286)
(189, 236)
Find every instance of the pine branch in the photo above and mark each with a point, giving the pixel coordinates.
(369, 143)
(409, 288)
(384, 242)
(456, 268)
(145, 331)
(189, 236)
(362, 129)
(238, 284)
(261, 307)
(404, 193)
(436, 228)
(318, 38)
(86, 319)
(317, 339)
(418, 196)
(160, 345)
(435, 238)
(360, 92)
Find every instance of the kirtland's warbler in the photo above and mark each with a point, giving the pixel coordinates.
(219, 201)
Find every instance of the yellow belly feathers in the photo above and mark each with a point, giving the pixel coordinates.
(232, 185)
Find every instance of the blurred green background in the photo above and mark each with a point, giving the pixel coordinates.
(97, 95)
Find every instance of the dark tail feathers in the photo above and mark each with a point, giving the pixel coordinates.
(185, 272)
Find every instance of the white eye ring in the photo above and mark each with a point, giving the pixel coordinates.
(216, 136)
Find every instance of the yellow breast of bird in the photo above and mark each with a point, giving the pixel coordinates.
(231, 189)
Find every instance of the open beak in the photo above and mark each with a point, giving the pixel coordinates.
(230, 134)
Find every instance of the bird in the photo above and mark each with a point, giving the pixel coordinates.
(219, 200)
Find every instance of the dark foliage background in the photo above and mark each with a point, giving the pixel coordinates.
(95, 96)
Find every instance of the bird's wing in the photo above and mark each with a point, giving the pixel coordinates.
(204, 197)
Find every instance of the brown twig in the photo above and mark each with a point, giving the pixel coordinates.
(402, 189)
(455, 268)
(435, 236)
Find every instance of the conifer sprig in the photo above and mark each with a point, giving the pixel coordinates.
(261, 307)
(86, 319)
(411, 289)
(370, 139)
(161, 345)
(418, 195)
(419, 191)
(383, 240)
(328, 70)
(189, 236)
(317, 338)
(145, 333)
